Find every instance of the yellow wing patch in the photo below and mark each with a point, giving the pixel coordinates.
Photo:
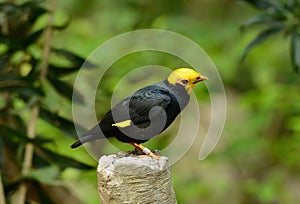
(122, 124)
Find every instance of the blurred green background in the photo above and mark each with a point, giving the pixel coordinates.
(257, 159)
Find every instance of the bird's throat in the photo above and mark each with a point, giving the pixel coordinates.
(189, 88)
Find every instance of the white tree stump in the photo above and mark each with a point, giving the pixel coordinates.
(125, 178)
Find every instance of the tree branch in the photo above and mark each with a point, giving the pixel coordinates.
(2, 195)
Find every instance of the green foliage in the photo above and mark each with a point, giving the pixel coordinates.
(277, 16)
(21, 87)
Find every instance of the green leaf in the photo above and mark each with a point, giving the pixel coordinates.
(11, 80)
(60, 160)
(261, 37)
(25, 92)
(39, 162)
(46, 175)
(33, 10)
(260, 4)
(63, 124)
(295, 50)
(270, 6)
(62, 71)
(65, 89)
(280, 6)
(33, 37)
(15, 136)
(76, 60)
(22, 42)
(265, 18)
(63, 25)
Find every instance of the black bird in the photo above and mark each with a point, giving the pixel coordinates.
(147, 112)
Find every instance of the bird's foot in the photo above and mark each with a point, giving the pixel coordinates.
(145, 150)
(153, 156)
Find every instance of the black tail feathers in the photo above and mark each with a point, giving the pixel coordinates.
(76, 144)
(93, 134)
(84, 139)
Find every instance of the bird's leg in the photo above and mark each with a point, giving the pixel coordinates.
(145, 150)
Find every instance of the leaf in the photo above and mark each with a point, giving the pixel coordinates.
(61, 71)
(12, 135)
(33, 37)
(270, 5)
(63, 124)
(261, 37)
(23, 42)
(25, 92)
(265, 18)
(60, 160)
(11, 80)
(39, 162)
(76, 60)
(279, 6)
(295, 50)
(260, 4)
(18, 21)
(24, 86)
(65, 89)
(33, 10)
(63, 25)
(47, 175)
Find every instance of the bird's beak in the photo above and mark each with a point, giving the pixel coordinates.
(203, 78)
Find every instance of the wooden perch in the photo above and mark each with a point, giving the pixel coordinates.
(125, 178)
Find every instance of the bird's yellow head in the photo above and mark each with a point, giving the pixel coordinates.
(185, 77)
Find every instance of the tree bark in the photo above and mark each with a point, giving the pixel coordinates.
(125, 178)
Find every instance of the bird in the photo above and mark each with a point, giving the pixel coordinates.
(147, 112)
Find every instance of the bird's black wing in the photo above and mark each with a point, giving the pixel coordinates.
(151, 100)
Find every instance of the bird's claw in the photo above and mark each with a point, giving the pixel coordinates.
(145, 150)
(153, 156)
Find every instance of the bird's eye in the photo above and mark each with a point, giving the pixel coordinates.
(184, 81)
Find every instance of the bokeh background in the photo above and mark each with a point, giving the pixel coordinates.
(257, 159)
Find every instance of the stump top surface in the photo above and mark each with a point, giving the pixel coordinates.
(131, 164)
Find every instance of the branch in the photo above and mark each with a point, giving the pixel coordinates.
(2, 195)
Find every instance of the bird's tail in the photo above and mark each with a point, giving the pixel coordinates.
(84, 139)
(76, 144)
(93, 134)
